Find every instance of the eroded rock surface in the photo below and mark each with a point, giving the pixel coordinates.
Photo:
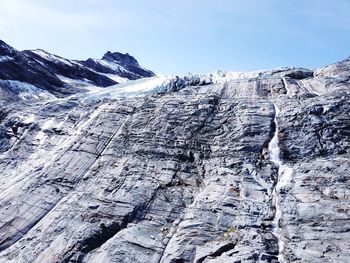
(180, 176)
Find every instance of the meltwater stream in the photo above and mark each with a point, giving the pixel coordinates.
(284, 177)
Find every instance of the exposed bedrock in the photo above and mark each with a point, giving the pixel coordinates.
(182, 176)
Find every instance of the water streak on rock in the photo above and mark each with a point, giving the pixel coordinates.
(284, 177)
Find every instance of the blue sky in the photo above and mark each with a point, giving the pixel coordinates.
(182, 36)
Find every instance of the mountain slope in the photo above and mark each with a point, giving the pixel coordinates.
(68, 69)
(225, 167)
(15, 66)
(47, 73)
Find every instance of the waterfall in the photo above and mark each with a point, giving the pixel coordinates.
(284, 177)
(286, 87)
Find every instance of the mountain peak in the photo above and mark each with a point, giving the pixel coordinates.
(122, 59)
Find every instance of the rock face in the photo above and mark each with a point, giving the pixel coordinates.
(119, 64)
(182, 175)
(45, 74)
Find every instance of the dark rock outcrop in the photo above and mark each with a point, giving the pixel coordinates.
(119, 64)
(122, 59)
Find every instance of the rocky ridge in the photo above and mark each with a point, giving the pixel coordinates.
(23, 73)
(226, 167)
(122, 65)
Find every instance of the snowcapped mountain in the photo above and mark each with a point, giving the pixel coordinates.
(118, 64)
(62, 77)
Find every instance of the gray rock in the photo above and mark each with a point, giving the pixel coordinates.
(180, 176)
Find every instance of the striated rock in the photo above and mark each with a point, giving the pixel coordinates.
(179, 173)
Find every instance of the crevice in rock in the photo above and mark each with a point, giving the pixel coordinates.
(269, 258)
(218, 252)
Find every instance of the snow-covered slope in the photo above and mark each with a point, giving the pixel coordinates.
(133, 88)
(63, 77)
(52, 57)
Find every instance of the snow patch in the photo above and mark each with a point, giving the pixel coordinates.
(113, 66)
(5, 58)
(115, 78)
(28, 119)
(51, 57)
(41, 136)
(85, 83)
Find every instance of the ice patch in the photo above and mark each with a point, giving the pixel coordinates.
(136, 88)
(221, 76)
(26, 91)
(224, 76)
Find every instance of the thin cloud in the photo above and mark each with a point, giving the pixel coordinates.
(328, 14)
(17, 14)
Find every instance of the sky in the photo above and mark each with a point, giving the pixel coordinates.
(180, 36)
